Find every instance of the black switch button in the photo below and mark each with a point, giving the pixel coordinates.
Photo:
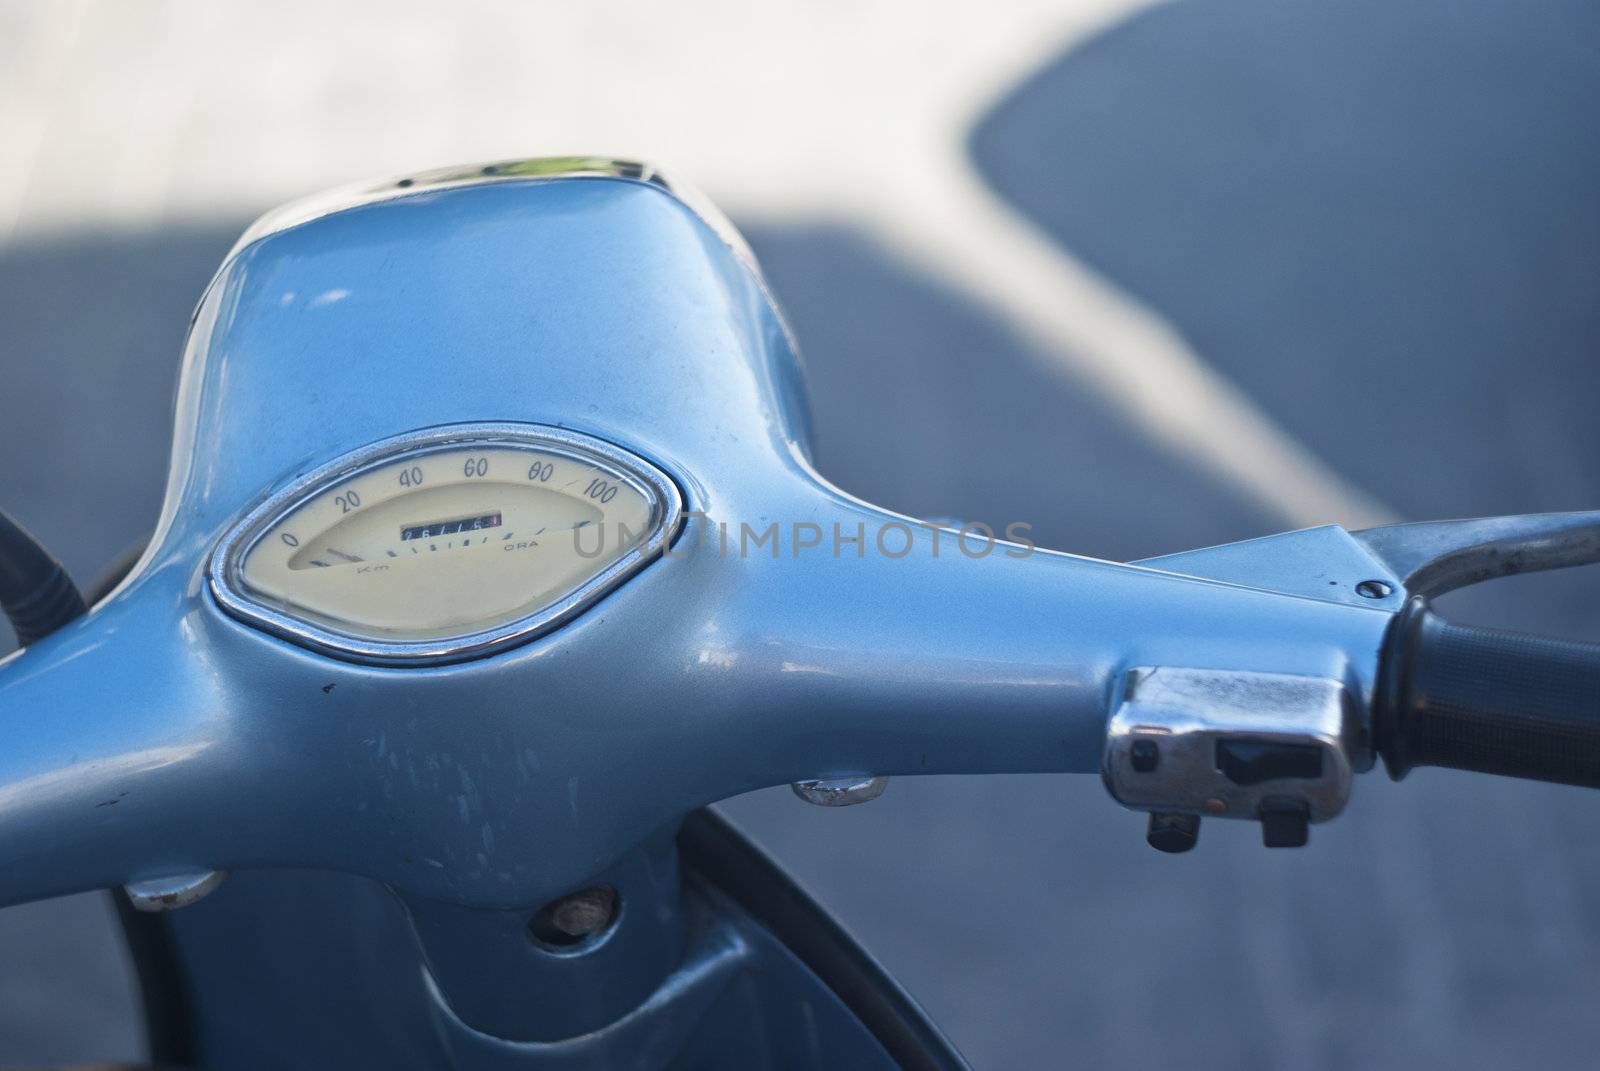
(1285, 822)
(1250, 762)
(1172, 833)
(1144, 756)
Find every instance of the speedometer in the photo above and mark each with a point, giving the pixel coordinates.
(446, 544)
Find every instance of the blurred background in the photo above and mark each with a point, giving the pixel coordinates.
(1218, 268)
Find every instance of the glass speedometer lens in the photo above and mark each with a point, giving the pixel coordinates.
(446, 535)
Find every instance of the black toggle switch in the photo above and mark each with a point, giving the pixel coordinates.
(1250, 762)
(1285, 822)
(1172, 832)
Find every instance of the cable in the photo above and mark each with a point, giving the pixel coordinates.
(36, 594)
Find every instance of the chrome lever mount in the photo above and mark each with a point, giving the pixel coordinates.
(1184, 743)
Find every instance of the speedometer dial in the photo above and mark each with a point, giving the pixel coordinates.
(446, 544)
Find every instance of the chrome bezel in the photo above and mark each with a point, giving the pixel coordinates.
(234, 595)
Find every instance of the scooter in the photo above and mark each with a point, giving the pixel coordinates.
(492, 553)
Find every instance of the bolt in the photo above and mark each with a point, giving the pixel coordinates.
(1374, 589)
(575, 917)
(1214, 806)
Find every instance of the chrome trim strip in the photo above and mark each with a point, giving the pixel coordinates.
(223, 571)
(537, 168)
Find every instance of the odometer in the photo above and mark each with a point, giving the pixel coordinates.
(446, 544)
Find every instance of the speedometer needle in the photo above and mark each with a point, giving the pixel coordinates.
(346, 557)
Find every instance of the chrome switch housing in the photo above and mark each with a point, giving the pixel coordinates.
(1271, 747)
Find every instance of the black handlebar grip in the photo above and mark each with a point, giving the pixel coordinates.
(1488, 700)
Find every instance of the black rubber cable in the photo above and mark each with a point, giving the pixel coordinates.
(36, 594)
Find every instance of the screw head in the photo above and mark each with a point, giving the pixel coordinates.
(1374, 589)
(575, 918)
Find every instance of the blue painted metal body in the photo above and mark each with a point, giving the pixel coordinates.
(158, 735)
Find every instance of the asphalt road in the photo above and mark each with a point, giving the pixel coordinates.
(1382, 226)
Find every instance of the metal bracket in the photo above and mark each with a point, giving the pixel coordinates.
(1265, 746)
(1324, 563)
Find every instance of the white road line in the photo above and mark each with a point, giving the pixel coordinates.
(32, 90)
(809, 111)
(1112, 344)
